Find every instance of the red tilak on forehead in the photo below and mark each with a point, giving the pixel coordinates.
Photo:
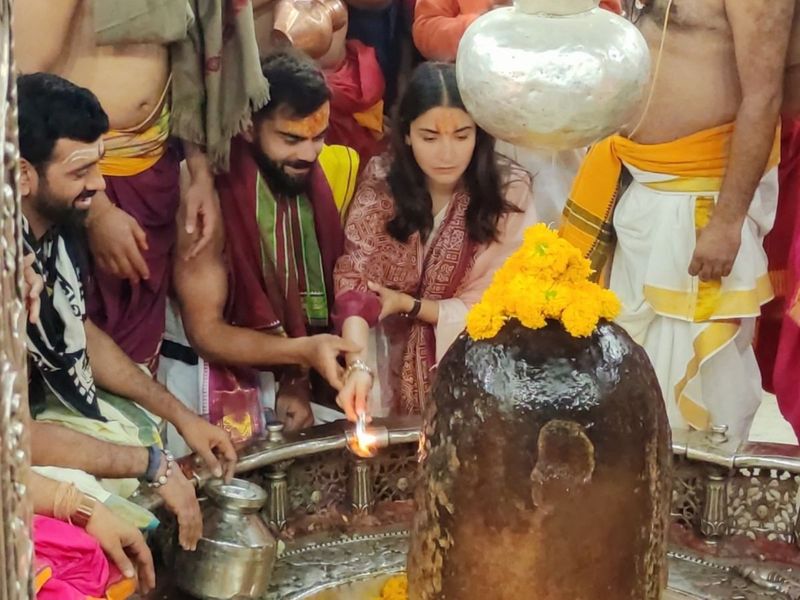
(445, 120)
(308, 127)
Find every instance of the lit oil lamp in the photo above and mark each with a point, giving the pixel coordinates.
(365, 441)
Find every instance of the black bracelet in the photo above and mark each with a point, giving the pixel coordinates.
(153, 463)
(412, 314)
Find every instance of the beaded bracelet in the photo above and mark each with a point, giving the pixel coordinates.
(163, 479)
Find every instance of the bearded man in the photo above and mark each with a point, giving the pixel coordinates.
(259, 296)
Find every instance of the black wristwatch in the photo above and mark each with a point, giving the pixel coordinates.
(412, 314)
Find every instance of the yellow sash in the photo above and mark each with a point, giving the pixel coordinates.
(134, 150)
(340, 165)
(696, 161)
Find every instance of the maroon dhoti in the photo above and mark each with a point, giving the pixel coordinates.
(134, 315)
(785, 379)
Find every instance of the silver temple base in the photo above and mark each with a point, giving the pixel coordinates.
(728, 500)
(355, 568)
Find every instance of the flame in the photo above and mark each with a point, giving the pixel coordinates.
(364, 443)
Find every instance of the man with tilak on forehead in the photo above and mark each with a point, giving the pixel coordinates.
(258, 299)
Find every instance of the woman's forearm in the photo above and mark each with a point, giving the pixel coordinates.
(43, 493)
(429, 312)
(356, 329)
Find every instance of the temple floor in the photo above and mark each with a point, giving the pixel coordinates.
(769, 425)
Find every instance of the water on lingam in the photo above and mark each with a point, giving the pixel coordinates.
(545, 454)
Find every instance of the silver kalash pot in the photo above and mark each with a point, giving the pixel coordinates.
(236, 555)
(554, 74)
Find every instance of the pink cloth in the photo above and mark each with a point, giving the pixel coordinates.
(80, 569)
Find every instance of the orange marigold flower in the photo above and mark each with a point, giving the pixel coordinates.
(546, 278)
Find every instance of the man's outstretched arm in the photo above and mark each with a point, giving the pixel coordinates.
(118, 374)
(58, 446)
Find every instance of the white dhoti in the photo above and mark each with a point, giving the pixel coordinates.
(698, 334)
(186, 376)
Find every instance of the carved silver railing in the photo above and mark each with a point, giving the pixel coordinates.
(726, 495)
(721, 487)
(15, 544)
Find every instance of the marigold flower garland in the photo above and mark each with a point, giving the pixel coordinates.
(547, 278)
(395, 588)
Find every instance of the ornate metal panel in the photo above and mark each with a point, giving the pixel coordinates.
(763, 503)
(15, 544)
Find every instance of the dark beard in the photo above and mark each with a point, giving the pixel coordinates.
(280, 183)
(66, 216)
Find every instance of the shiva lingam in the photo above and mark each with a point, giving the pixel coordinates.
(545, 440)
(733, 531)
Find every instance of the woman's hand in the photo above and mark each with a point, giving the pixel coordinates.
(124, 545)
(392, 301)
(353, 397)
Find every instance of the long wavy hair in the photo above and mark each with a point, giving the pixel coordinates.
(434, 85)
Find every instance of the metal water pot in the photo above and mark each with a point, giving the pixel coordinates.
(235, 557)
(556, 74)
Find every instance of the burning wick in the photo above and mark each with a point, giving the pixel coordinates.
(364, 443)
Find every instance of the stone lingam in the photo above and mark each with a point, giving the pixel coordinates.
(546, 447)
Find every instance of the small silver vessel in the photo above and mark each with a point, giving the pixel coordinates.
(235, 556)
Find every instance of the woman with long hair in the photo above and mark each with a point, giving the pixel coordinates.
(429, 225)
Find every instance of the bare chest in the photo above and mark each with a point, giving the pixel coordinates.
(691, 15)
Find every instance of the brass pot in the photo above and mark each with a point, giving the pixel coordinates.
(306, 24)
(337, 11)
